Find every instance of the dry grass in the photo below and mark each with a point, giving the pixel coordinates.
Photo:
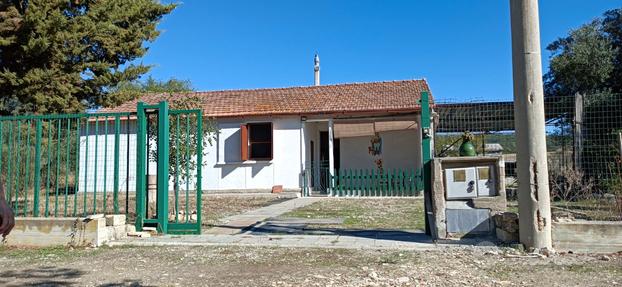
(376, 213)
(213, 207)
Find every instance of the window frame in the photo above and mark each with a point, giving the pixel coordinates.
(247, 137)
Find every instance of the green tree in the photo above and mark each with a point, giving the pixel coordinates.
(583, 62)
(128, 90)
(60, 56)
(589, 62)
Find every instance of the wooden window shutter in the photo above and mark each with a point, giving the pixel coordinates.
(244, 142)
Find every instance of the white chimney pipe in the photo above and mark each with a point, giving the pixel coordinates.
(316, 68)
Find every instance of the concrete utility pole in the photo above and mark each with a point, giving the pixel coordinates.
(534, 204)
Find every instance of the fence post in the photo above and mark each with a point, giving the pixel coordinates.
(163, 162)
(37, 187)
(426, 149)
(117, 144)
(199, 188)
(141, 138)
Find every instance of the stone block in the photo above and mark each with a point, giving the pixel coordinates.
(115, 219)
(506, 237)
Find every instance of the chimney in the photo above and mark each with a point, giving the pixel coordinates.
(316, 68)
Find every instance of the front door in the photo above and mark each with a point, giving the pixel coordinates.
(323, 164)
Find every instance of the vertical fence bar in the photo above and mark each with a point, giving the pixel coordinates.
(163, 165)
(187, 164)
(67, 155)
(374, 182)
(176, 187)
(58, 133)
(199, 182)
(77, 171)
(117, 142)
(140, 165)
(105, 161)
(18, 170)
(95, 165)
(9, 170)
(86, 163)
(350, 186)
(49, 169)
(26, 171)
(127, 163)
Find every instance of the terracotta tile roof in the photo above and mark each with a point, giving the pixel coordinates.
(393, 96)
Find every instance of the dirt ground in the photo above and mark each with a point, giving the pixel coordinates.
(367, 213)
(246, 266)
(217, 207)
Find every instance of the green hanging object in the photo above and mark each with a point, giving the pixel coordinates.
(467, 148)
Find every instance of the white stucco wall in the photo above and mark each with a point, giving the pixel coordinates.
(224, 169)
(400, 149)
(103, 164)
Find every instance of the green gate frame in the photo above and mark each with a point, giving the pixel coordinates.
(426, 148)
(163, 150)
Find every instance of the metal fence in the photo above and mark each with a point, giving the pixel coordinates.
(67, 165)
(584, 145)
(363, 182)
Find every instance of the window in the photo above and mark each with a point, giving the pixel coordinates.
(256, 141)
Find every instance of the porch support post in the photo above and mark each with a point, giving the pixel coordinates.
(303, 157)
(331, 155)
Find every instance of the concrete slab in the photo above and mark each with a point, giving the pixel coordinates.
(588, 236)
(57, 231)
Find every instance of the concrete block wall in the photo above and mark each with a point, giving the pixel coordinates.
(67, 231)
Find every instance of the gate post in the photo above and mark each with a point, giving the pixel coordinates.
(426, 149)
(163, 162)
(141, 137)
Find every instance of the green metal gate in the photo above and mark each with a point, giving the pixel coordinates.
(84, 164)
(178, 153)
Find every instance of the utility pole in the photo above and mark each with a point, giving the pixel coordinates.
(534, 204)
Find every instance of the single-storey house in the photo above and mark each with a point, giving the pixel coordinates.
(292, 137)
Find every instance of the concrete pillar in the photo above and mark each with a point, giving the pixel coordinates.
(533, 186)
(303, 153)
(331, 155)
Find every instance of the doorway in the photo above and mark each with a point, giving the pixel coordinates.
(323, 165)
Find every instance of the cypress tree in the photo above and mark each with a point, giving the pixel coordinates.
(62, 56)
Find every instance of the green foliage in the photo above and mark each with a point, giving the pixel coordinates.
(588, 60)
(59, 56)
(183, 138)
(127, 90)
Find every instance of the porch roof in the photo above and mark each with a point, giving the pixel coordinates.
(371, 127)
(356, 98)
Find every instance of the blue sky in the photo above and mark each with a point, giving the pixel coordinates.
(461, 47)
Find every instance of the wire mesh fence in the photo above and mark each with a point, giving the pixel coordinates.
(584, 147)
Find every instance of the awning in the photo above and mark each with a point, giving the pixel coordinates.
(369, 128)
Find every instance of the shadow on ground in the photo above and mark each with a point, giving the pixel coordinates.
(41, 276)
(54, 276)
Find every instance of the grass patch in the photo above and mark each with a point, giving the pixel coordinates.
(377, 213)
